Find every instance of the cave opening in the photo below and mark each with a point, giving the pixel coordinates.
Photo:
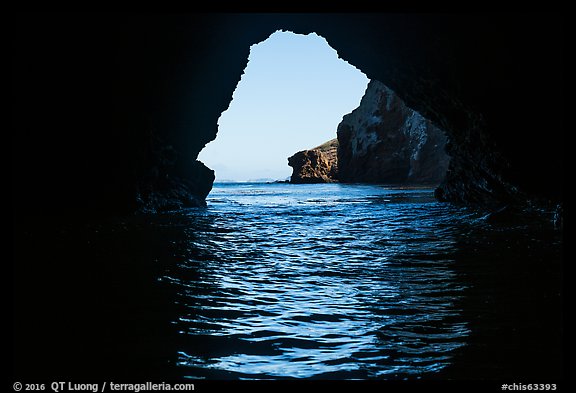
(298, 100)
(292, 95)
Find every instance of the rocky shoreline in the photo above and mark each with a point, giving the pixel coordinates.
(317, 165)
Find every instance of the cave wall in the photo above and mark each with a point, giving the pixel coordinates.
(88, 90)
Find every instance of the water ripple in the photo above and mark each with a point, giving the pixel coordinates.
(329, 281)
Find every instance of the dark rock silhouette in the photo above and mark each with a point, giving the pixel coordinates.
(157, 186)
(84, 98)
(317, 165)
(384, 141)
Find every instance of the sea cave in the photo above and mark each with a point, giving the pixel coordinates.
(431, 252)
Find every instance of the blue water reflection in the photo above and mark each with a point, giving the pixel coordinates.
(323, 281)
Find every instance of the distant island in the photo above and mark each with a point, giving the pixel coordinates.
(259, 180)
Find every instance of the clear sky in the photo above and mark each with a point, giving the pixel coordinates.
(291, 97)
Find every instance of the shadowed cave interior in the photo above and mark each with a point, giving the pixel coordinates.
(110, 111)
(110, 118)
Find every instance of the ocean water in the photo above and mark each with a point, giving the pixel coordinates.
(282, 281)
(324, 281)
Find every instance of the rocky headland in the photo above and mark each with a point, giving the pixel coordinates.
(381, 141)
(317, 165)
(384, 141)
